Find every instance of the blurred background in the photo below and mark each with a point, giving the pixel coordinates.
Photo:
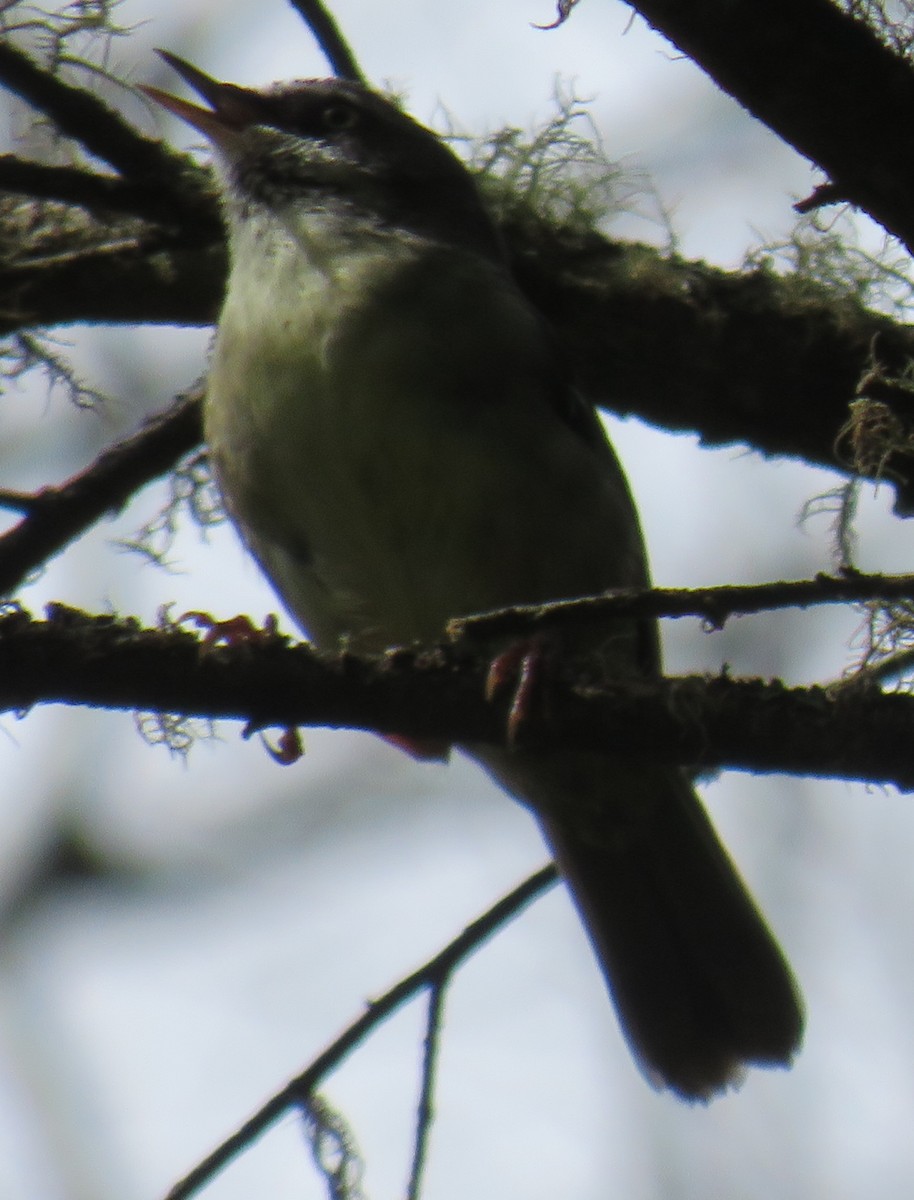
(178, 937)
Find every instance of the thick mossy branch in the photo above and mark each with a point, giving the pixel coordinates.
(753, 358)
(823, 80)
(891, 20)
(60, 264)
(772, 361)
(78, 114)
(71, 658)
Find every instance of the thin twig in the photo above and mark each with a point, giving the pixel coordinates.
(297, 1092)
(425, 1108)
(884, 670)
(57, 515)
(713, 605)
(327, 34)
(15, 501)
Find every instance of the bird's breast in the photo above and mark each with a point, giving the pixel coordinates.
(382, 437)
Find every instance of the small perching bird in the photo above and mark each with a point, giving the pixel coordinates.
(398, 443)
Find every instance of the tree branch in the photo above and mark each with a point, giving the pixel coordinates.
(738, 358)
(820, 79)
(329, 37)
(55, 516)
(425, 1110)
(97, 193)
(713, 605)
(433, 974)
(842, 732)
(748, 358)
(59, 265)
(77, 114)
(770, 361)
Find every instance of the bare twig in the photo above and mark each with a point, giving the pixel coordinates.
(713, 605)
(824, 194)
(563, 12)
(297, 1092)
(328, 36)
(425, 1109)
(57, 515)
(17, 501)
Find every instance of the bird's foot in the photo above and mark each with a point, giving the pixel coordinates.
(520, 667)
(234, 631)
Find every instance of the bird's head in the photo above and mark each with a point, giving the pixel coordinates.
(329, 145)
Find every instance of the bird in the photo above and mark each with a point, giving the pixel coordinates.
(399, 442)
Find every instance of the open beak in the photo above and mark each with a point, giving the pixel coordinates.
(231, 107)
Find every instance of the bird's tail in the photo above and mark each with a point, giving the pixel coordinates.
(700, 985)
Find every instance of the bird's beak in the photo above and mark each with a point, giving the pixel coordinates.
(232, 107)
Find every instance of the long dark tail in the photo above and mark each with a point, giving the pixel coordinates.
(700, 985)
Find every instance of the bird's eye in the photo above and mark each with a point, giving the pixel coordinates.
(337, 117)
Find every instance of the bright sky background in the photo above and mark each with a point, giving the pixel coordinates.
(240, 914)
